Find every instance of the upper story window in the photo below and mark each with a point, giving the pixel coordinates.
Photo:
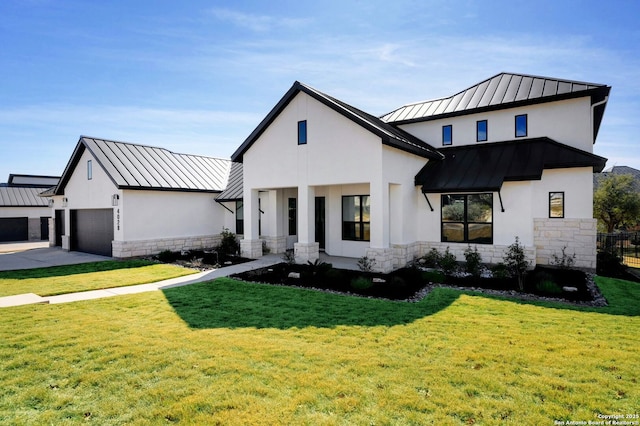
(556, 204)
(521, 125)
(302, 132)
(89, 170)
(481, 131)
(447, 135)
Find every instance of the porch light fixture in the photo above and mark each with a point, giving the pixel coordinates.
(114, 199)
(65, 201)
(50, 202)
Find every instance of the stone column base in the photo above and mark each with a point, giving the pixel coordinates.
(383, 258)
(276, 245)
(305, 252)
(251, 249)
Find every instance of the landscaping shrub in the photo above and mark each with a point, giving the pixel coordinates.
(361, 283)
(549, 287)
(433, 277)
(564, 261)
(448, 262)
(229, 244)
(473, 261)
(167, 256)
(433, 258)
(610, 265)
(500, 271)
(516, 262)
(366, 264)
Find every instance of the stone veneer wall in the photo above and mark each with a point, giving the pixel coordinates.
(577, 235)
(125, 249)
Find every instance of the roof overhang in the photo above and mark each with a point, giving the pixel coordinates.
(484, 168)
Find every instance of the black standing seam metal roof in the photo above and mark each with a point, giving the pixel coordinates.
(389, 134)
(132, 166)
(504, 90)
(475, 168)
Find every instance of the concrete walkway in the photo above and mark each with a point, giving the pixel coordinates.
(30, 298)
(29, 255)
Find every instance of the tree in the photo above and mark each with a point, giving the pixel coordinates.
(616, 202)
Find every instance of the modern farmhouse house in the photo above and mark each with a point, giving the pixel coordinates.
(511, 156)
(124, 200)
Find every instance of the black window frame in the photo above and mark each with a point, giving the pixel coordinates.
(302, 132)
(551, 194)
(357, 226)
(450, 141)
(486, 131)
(526, 125)
(465, 222)
(292, 208)
(240, 217)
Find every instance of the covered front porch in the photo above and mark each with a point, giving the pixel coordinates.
(347, 221)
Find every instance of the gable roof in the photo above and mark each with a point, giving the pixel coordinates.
(618, 170)
(234, 190)
(486, 167)
(20, 196)
(390, 135)
(132, 166)
(504, 90)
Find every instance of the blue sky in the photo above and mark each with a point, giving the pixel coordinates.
(198, 76)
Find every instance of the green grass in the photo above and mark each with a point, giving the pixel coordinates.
(227, 352)
(86, 276)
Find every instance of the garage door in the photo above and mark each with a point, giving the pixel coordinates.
(14, 229)
(92, 231)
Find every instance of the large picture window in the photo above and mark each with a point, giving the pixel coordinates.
(355, 218)
(467, 218)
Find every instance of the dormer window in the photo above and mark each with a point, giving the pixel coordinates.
(521, 126)
(302, 132)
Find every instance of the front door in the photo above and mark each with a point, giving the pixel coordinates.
(320, 222)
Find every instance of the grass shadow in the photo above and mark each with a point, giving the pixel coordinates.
(228, 303)
(81, 268)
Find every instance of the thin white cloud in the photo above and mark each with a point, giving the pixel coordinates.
(257, 23)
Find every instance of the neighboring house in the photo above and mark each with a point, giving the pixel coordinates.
(509, 157)
(618, 170)
(124, 200)
(24, 215)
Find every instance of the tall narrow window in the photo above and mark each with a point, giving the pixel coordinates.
(467, 218)
(481, 131)
(556, 204)
(239, 217)
(447, 135)
(302, 132)
(521, 125)
(355, 218)
(293, 217)
(89, 170)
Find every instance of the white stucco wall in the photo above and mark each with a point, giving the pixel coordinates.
(163, 214)
(30, 212)
(568, 122)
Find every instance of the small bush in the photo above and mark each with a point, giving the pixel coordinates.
(229, 244)
(500, 271)
(433, 258)
(167, 256)
(433, 276)
(610, 265)
(548, 286)
(565, 261)
(448, 263)
(366, 264)
(361, 283)
(516, 262)
(289, 257)
(473, 261)
(334, 276)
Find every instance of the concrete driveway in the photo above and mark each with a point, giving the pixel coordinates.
(29, 255)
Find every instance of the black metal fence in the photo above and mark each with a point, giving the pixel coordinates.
(625, 245)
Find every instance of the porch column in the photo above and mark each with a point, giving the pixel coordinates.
(276, 239)
(251, 245)
(306, 249)
(379, 248)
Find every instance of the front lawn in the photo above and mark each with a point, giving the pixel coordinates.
(86, 276)
(228, 352)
